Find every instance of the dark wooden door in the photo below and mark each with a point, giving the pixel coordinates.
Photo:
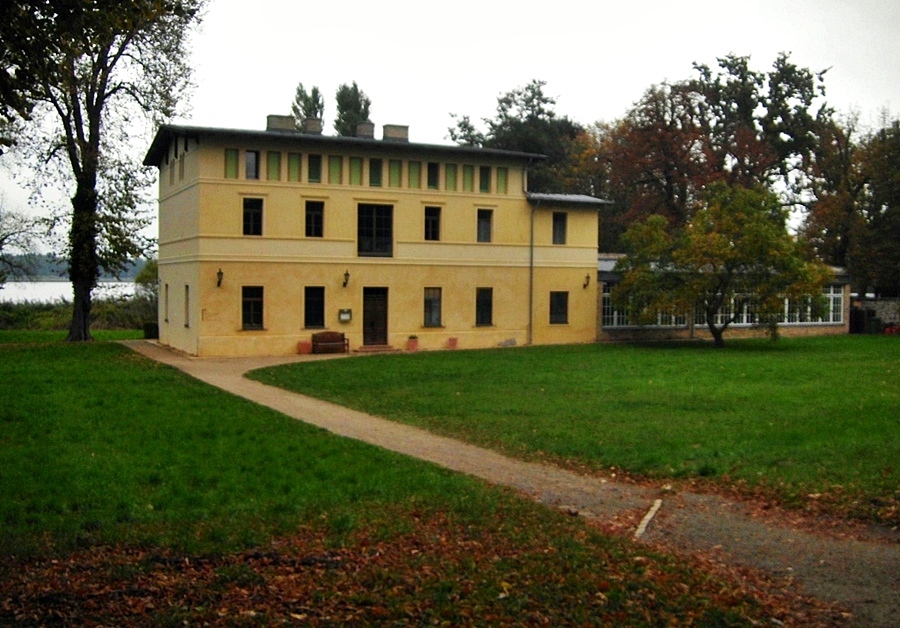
(375, 316)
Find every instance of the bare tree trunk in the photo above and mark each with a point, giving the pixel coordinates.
(80, 327)
(718, 333)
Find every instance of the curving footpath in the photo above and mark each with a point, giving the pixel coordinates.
(861, 576)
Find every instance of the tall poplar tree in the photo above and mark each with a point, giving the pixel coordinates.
(309, 104)
(352, 108)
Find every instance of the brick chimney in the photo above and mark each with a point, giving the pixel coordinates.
(395, 133)
(280, 123)
(366, 129)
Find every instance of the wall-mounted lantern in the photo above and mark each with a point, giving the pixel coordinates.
(219, 276)
(587, 281)
(346, 278)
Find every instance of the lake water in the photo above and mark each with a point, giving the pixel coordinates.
(54, 291)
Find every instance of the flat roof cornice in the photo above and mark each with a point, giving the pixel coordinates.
(166, 133)
(566, 200)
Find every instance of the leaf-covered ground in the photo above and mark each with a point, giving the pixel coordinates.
(439, 572)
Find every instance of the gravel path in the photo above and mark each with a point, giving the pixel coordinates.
(862, 576)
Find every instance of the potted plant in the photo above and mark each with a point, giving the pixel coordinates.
(412, 344)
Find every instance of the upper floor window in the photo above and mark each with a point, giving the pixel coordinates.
(231, 163)
(559, 227)
(485, 224)
(294, 160)
(484, 179)
(450, 177)
(315, 219)
(414, 168)
(432, 223)
(468, 178)
(559, 308)
(395, 173)
(432, 307)
(314, 168)
(356, 170)
(502, 180)
(273, 166)
(376, 173)
(252, 164)
(253, 216)
(335, 169)
(434, 175)
(375, 230)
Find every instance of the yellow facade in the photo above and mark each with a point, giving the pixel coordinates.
(253, 261)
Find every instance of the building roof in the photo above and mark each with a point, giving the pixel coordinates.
(167, 132)
(567, 200)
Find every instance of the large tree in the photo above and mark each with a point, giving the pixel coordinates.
(874, 258)
(730, 124)
(733, 255)
(853, 217)
(105, 67)
(27, 47)
(835, 219)
(352, 108)
(525, 121)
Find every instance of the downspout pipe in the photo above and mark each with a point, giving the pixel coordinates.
(530, 338)
(531, 281)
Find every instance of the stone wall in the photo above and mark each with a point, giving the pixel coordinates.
(886, 310)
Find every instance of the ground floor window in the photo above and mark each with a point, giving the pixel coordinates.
(432, 307)
(802, 311)
(611, 316)
(252, 307)
(559, 308)
(314, 306)
(484, 307)
(187, 306)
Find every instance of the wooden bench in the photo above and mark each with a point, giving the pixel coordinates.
(330, 342)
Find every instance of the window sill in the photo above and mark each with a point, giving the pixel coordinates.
(253, 329)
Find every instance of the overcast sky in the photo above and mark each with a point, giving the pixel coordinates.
(421, 61)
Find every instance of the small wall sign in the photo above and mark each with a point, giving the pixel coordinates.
(345, 316)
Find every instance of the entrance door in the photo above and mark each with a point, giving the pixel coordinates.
(375, 316)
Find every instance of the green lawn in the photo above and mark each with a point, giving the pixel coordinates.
(814, 416)
(100, 445)
(166, 501)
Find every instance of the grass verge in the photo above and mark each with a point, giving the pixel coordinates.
(132, 494)
(806, 420)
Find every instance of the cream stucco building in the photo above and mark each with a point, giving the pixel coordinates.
(266, 237)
